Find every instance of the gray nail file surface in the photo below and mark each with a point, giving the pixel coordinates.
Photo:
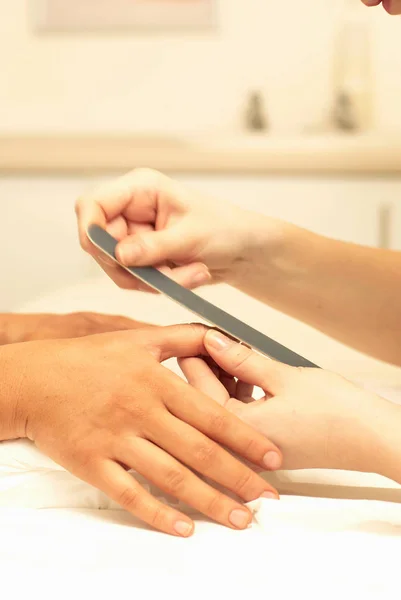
(210, 313)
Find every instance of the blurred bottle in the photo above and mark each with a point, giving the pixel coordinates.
(353, 81)
(255, 115)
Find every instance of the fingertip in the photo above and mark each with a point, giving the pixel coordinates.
(178, 341)
(184, 529)
(273, 460)
(191, 276)
(271, 495)
(240, 518)
(218, 341)
(202, 277)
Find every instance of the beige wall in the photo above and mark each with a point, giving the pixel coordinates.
(173, 83)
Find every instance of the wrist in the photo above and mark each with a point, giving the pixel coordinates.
(13, 367)
(16, 328)
(383, 450)
(11, 329)
(271, 248)
(369, 438)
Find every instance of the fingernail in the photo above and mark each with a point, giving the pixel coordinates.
(218, 341)
(183, 528)
(201, 278)
(240, 518)
(269, 495)
(272, 461)
(128, 255)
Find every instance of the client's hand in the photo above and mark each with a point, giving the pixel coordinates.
(316, 418)
(15, 328)
(101, 405)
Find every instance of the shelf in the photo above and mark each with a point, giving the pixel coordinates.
(309, 155)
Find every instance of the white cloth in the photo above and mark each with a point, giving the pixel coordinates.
(321, 548)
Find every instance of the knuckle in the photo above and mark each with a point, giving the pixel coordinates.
(241, 357)
(144, 242)
(157, 519)
(243, 483)
(214, 505)
(82, 457)
(174, 481)
(198, 328)
(138, 411)
(129, 499)
(205, 456)
(252, 448)
(218, 423)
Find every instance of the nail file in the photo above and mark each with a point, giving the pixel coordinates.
(204, 309)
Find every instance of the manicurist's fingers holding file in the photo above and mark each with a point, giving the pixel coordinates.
(103, 404)
(192, 238)
(392, 6)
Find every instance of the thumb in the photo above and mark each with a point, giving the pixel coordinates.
(150, 248)
(176, 341)
(241, 362)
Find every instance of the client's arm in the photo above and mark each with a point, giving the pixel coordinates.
(15, 328)
(316, 418)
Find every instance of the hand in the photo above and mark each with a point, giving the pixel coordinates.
(393, 7)
(193, 239)
(316, 418)
(102, 405)
(17, 328)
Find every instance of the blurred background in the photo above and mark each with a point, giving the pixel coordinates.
(289, 108)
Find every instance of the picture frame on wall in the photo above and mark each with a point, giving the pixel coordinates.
(109, 15)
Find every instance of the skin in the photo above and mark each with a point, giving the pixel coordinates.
(318, 419)
(102, 404)
(16, 328)
(347, 291)
(393, 7)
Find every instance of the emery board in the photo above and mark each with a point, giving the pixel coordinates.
(204, 309)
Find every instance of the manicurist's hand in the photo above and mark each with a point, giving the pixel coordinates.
(104, 404)
(192, 238)
(392, 6)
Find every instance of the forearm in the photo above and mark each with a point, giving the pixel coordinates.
(349, 292)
